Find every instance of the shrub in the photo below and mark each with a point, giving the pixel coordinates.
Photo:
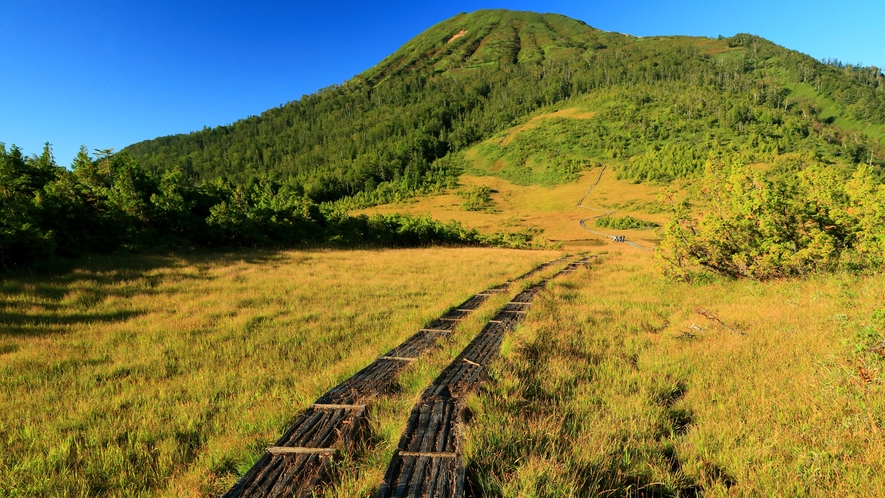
(765, 228)
(477, 198)
(625, 223)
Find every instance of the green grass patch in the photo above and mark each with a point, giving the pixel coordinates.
(625, 223)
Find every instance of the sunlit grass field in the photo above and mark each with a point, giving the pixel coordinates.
(168, 375)
(616, 384)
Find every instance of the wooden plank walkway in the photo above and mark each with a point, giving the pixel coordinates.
(301, 460)
(427, 462)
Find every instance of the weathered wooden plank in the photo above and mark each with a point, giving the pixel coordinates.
(413, 440)
(427, 440)
(301, 458)
(419, 343)
(442, 323)
(403, 484)
(474, 302)
(318, 406)
(288, 450)
(417, 481)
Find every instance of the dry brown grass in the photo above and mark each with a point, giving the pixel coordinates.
(601, 391)
(143, 376)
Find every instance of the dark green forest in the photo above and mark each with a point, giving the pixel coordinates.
(111, 203)
(287, 176)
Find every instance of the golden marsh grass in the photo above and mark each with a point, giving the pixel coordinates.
(602, 392)
(153, 375)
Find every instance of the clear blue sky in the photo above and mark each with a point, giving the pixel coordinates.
(111, 73)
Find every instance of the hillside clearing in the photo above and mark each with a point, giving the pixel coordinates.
(571, 113)
(551, 212)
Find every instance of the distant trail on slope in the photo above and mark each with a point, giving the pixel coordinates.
(583, 222)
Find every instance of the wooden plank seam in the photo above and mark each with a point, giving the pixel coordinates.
(298, 450)
(430, 454)
(324, 406)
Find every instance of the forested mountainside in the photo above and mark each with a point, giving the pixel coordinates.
(477, 74)
(661, 107)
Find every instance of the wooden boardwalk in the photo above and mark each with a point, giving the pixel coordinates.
(301, 460)
(427, 462)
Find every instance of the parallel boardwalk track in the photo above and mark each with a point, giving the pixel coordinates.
(428, 459)
(301, 460)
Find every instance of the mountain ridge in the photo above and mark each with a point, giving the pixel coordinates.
(397, 124)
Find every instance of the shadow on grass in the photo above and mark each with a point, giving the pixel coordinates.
(32, 325)
(50, 297)
(597, 481)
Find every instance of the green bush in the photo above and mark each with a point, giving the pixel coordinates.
(625, 223)
(477, 198)
(761, 227)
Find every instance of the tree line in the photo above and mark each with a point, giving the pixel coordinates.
(109, 203)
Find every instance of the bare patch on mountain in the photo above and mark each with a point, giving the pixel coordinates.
(457, 35)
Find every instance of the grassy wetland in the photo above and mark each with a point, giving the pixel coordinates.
(743, 356)
(618, 384)
(168, 375)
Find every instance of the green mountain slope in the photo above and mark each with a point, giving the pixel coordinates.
(388, 130)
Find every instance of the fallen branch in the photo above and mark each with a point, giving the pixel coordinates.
(709, 315)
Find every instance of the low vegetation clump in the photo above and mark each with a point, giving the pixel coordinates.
(778, 224)
(624, 223)
(477, 198)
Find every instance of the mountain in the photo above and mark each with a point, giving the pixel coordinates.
(394, 128)
(531, 98)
